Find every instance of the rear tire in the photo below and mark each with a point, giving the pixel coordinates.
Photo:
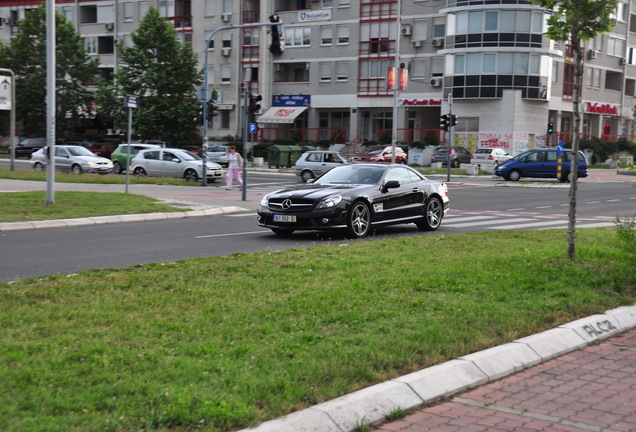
(139, 172)
(306, 175)
(117, 169)
(433, 214)
(38, 166)
(190, 176)
(76, 169)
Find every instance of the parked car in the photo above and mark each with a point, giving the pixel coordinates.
(458, 156)
(541, 163)
(173, 162)
(27, 146)
(219, 154)
(356, 198)
(380, 154)
(72, 158)
(489, 156)
(193, 148)
(120, 155)
(103, 149)
(313, 164)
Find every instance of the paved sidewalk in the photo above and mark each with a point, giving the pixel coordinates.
(580, 376)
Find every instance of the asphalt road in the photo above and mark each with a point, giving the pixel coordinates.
(477, 205)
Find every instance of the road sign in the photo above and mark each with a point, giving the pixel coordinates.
(252, 128)
(131, 101)
(5, 93)
(560, 148)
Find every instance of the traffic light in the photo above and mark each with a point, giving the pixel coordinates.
(550, 127)
(444, 122)
(254, 105)
(453, 120)
(199, 117)
(277, 44)
(213, 110)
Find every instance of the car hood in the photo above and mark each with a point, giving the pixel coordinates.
(314, 192)
(96, 159)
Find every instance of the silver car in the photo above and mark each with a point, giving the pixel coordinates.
(72, 158)
(489, 156)
(173, 162)
(313, 164)
(219, 154)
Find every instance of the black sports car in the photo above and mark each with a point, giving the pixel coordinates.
(356, 198)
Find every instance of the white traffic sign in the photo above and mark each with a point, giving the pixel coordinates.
(131, 101)
(5, 93)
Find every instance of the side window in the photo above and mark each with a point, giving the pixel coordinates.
(314, 157)
(60, 152)
(167, 156)
(551, 156)
(152, 155)
(400, 174)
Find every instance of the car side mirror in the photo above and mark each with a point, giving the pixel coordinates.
(175, 160)
(391, 184)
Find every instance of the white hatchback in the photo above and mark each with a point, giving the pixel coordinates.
(315, 163)
(489, 156)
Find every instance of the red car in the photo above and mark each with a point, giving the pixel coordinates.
(381, 154)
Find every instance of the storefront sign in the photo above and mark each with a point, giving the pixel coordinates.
(596, 108)
(291, 100)
(421, 102)
(322, 15)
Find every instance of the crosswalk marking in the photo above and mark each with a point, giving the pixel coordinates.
(519, 220)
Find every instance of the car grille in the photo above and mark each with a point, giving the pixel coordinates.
(290, 205)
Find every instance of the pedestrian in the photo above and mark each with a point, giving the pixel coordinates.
(234, 168)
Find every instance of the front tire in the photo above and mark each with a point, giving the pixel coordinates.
(358, 220)
(191, 176)
(514, 175)
(139, 172)
(433, 214)
(306, 175)
(38, 166)
(76, 169)
(455, 164)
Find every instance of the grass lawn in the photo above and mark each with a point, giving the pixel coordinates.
(31, 206)
(220, 343)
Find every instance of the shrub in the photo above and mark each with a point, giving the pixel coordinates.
(626, 232)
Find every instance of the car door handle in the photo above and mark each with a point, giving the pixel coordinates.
(416, 189)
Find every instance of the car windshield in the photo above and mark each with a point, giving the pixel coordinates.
(521, 155)
(188, 156)
(482, 150)
(441, 150)
(352, 174)
(79, 151)
(217, 149)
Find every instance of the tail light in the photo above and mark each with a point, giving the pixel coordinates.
(472, 156)
(490, 157)
(452, 152)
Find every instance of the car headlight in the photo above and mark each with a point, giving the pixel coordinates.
(264, 201)
(330, 202)
(91, 164)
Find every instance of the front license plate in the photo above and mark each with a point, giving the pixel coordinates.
(284, 218)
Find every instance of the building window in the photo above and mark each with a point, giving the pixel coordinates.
(615, 47)
(326, 35)
(90, 44)
(327, 3)
(378, 37)
(325, 71)
(343, 34)
(344, 3)
(373, 76)
(439, 27)
(143, 9)
(568, 81)
(342, 71)
(128, 12)
(298, 37)
(420, 29)
(227, 7)
(226, 74)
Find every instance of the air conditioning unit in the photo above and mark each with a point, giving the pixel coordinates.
(622, 61)
(591, 54)
(226, 17)
(109, 26)
(438, 42)
(6, 20)
(407, 30)
(225, 52)
(278, 67)
(436, 82)
(416, 43)
(614, 21)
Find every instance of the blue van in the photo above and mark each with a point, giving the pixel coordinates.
(540, 163)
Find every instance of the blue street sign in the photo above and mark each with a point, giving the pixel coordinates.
(560, 148)
(252, 128)
(131, 101)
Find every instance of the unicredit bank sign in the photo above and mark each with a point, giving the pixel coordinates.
(600, 108)
(421, 102)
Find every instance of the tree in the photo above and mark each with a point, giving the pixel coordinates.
(576, 21)
(163, 73)
(26, 56)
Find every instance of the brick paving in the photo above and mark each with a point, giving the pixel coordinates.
(592, 389)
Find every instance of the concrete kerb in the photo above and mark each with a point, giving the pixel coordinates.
(60, 223)
(373, 404)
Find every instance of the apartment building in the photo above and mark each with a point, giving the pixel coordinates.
(486, 60)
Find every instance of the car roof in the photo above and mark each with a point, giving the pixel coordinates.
(148, 146)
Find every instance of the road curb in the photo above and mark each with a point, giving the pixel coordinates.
(99, 220)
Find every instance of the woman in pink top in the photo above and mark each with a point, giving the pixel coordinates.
(234, 168)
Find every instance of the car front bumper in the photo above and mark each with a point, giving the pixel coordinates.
(325, 219)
